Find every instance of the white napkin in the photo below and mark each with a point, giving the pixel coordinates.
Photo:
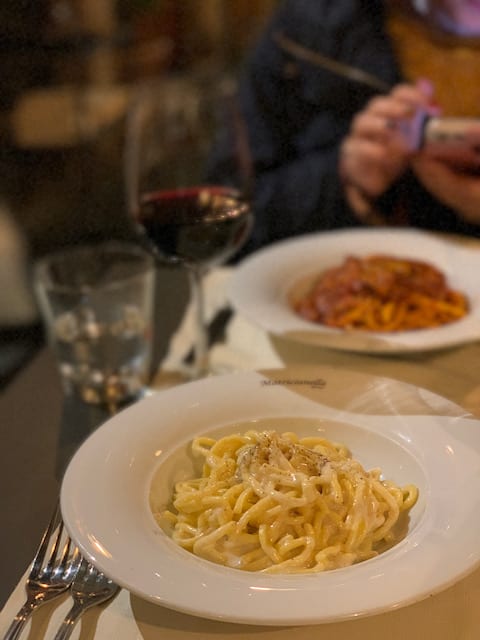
(246, 346)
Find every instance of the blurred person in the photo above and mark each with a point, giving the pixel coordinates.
(330, 96)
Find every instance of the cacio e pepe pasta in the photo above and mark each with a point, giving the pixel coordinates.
(278, 503)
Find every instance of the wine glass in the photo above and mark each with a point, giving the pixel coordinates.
(184, 217)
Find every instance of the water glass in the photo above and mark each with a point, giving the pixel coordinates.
(97, 306)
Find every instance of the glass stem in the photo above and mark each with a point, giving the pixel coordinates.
(200, 346)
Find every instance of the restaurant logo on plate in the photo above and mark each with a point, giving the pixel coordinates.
(317, 383)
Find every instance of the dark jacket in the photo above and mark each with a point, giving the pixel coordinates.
(297, 114)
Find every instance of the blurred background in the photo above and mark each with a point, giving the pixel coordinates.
(69, 70)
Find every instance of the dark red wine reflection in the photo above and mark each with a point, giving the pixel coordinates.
(200, 227)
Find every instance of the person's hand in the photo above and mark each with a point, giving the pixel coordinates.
(381, 142)
(457, 189)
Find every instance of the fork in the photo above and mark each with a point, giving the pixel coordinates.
(51, 574)
(89, 588)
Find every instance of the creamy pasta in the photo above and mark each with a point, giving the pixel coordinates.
(281, 504)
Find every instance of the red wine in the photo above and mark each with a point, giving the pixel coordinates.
(199, 226)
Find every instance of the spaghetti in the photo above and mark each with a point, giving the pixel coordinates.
(382, 293)
(279, 504)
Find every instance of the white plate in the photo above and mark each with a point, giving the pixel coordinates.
(260, 286)
(105, 504)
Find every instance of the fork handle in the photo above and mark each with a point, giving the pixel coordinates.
(69, 622)
(16, 628)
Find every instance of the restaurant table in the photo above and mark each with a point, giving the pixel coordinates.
(35, 401)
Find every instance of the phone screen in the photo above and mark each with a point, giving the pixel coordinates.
(453, 140)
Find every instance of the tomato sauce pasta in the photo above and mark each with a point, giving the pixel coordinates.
(280, 504)
(382, 293)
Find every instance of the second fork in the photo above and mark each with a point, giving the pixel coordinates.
(90, 588)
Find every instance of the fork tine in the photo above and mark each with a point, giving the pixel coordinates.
(82, 570)
(44, 544)
(52, 559)
(69, 562)
(91, 587)
(67, 554)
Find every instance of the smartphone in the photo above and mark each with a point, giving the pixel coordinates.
(454, 140)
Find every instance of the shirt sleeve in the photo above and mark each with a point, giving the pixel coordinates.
(296, 116)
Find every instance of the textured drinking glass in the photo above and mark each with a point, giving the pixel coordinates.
(97, 306)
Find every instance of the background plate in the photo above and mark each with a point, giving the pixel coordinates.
(261, 284)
